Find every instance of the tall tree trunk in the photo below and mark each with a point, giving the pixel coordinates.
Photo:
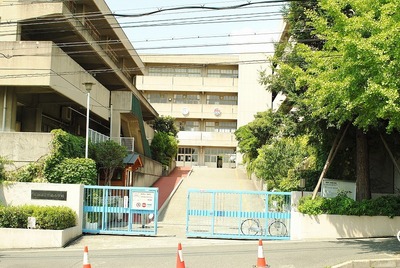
(362, 167)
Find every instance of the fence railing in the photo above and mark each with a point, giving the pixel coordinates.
(127, 142)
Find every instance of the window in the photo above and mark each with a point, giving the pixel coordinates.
(222, 73)
(157, 98)
(187, 154)
(189, 126)
(211, 154)
(222, 99)
(187, 98)
(226, 127)
(175, 71)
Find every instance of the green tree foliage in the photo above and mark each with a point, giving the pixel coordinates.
(164, 148)
(166, 124)
(64, 145)
(282, 161)
(76, 171)
(265, 126)
(109, 155)
(355, 76)
(3, 162)
(342, 68)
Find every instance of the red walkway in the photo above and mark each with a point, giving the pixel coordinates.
(167, 184)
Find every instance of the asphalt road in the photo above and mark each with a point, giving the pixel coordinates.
(208, 253)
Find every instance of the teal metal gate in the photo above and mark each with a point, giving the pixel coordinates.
(238, 214)
(120, 210)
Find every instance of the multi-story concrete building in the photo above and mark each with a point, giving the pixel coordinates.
(210, 96)
(48, 50)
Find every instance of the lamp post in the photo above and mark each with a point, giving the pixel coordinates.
(88, 87)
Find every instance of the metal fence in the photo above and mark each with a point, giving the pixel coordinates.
(120, 210)
(238, 214)
(127, 142)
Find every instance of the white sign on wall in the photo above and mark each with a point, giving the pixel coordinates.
(143, 200)
(331, 188)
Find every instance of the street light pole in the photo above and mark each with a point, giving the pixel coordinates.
(88, 87)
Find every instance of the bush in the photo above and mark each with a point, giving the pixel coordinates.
(47, 217)
(76, 171)
(29, 173)
(343, 205)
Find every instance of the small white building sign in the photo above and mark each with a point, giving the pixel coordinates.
(331, 188)
(143, 200)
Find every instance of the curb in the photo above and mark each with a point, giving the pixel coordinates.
(370, 263)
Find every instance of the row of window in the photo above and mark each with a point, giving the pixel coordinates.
(225, 127)
(192, 72)
(210, 154)
(192, 99)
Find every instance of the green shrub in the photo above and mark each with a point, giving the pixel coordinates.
(75, 171)
(3, 162)
(64, 145)
(47, 217)
(29, 173)
(343, 205)
(13, 217)
(54, 218)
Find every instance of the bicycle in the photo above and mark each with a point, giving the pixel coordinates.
(253, 227)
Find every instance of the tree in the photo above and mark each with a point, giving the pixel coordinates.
(109, 155)
(166, 124)
(265, 126)
(281, 162)
(164, 148)
(353, 76)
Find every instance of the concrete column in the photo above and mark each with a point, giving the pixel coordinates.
(8, 109)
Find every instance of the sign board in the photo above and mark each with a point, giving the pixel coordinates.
(143, 200)
(49, 195)
(331, 188)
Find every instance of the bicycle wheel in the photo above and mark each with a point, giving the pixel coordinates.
(250, 227)
(277, 228)
(398, 236)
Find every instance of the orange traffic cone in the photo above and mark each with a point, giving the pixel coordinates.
(179, 258)
(86, 263)
(261, 263)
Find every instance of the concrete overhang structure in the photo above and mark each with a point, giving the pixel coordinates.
(48, 49)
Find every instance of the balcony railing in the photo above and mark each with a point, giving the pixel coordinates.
(127, 142)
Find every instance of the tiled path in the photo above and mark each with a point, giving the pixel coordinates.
(166, 185)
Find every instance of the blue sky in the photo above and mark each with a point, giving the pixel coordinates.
(201, 31)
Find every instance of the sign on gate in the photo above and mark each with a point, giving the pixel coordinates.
(120, 210)
(238, 214)
(143, 200)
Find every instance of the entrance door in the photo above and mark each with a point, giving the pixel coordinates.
(219, 161)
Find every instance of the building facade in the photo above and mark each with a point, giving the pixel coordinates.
(210, 97)
(48, 50)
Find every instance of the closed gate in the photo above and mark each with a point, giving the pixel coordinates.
(120, 210)
(238, 214)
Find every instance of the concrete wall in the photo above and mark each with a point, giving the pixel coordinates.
(149, 173)
(19, 193)
(339, 226)
(23, 148)
(252, 97)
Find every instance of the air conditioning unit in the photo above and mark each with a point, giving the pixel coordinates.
(66, 114)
